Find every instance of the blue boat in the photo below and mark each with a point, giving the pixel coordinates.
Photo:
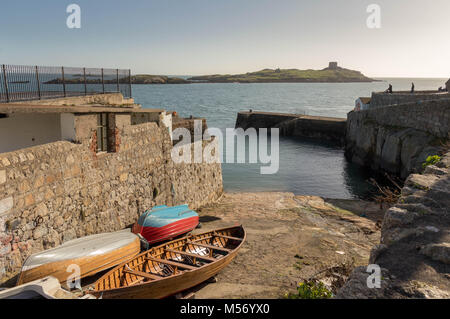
(163, 223)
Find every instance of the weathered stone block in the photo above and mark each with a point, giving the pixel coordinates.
(123, 177)
(6, 205)
(4, 250)
(2, 176)
(42, 210)
(39, 232)
(423, 182)
(438, 252)
(5, 162)
(39, 181)
(24, 186)
(396, 217)
(29, 200)
(69, 235)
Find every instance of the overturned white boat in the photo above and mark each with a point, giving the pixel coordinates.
(87, 255)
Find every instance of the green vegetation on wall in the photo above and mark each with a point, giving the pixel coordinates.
(311, 289)
(431, 160)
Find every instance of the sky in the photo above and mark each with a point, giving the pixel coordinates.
(193, 37)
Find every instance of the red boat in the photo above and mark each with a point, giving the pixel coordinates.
(163, 223)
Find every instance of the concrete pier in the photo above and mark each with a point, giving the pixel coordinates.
(324, 128)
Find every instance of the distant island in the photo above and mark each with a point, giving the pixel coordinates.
(333, 73)
(156, 79)
(135, 79)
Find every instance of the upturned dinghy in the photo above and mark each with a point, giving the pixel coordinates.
(92, 254)
(172, 267)
(165, 223)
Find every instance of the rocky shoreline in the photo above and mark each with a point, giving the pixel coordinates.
(414, 249)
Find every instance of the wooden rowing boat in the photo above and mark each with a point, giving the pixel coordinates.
(163, 223)
(92, 254)
(172, 267)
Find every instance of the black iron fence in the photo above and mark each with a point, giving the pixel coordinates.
(22, 83)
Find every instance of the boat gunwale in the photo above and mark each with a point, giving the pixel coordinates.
(180, 273)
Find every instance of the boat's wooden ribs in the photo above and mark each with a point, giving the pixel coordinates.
(190, 255)
(142, 274)
(226, 250)
(171, 263)
(227, 237)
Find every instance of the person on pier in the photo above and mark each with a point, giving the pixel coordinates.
(389, 90)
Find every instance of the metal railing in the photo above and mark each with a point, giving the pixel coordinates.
(22, 83)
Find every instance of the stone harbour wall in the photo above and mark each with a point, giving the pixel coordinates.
(432, 117)
(56, 192)
(397, 138)
(296, 125)
(414, 250)
(380, 99)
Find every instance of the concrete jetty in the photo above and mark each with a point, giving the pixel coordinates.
(325, 128)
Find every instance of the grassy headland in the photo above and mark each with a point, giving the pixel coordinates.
(287, 75)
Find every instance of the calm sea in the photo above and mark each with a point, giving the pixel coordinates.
(306, 167)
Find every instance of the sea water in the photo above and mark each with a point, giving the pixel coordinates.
(307, 167)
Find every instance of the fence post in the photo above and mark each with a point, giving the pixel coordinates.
(118, 87)
(5, 82)
(38, 82)
(103, 81)
(129, 78)
(64, 81)
(85, 85)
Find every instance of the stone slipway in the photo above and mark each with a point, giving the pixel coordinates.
(289, 238)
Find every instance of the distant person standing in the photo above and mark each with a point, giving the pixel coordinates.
(412, 87)
(447, 86)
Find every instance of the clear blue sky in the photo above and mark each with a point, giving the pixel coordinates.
(230, 36)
